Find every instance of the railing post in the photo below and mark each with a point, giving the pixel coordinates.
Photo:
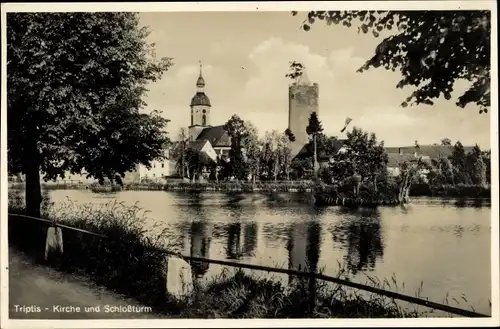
(312, 292)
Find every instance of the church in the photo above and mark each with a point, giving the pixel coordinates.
(211, 141)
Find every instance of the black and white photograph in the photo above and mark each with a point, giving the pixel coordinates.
(173, 162)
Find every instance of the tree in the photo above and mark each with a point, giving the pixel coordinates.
(477, 166)
(446, 142)
(295, 71)
(445, 170)
(376, 159)
(236, 129)
(194, 164)
(76, 82)
(459, 163)
(284, 155)
(363, 156)
(179, 151)
(431, 49)
(290, 135)
(486, 155)
(271, 154)
(313, 129)
(251, 145)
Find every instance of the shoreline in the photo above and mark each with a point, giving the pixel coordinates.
(418, 190)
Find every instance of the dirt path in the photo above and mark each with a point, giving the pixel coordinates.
(39, 292)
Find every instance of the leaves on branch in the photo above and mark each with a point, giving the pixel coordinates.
(431, 50)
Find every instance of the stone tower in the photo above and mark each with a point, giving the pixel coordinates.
(303, 99)
(200, 109)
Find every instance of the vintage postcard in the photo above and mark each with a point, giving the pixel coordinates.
(249, 164)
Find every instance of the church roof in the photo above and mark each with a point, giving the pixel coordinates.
(196, 145)
(217, 136)
(200, 99)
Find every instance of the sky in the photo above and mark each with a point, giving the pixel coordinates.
(245, 57)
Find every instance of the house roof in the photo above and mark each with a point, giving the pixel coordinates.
(217, 136)
(433, 151)
(336, 146)
(396, 159)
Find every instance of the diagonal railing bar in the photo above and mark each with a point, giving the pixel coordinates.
(319, 276)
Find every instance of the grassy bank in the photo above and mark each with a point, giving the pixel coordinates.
(451, 191)
(126, 264)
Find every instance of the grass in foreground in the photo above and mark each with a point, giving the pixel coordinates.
(126, 264)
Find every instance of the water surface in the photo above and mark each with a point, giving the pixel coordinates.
(433, 245)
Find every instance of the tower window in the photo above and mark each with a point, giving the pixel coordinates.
(204, 111)
(204, 120)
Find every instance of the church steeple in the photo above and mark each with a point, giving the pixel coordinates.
(200, 83)
(200, 108)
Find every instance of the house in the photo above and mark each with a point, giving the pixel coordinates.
(159, 170)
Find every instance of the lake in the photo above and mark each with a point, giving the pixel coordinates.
(431, 244)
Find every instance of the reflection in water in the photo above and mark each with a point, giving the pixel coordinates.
(200, 234)
(250, 239)
(304, 246)
(241, 237)
(360, 233)
(201, 237)
(233, 241)
(364, 242)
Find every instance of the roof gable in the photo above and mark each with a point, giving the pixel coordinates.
(217, 136)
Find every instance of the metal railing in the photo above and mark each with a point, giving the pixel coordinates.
(310, 275)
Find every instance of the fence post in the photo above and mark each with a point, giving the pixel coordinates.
(312, 292)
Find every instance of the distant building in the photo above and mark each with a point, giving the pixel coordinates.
(160, 169)
(427, 153)
(303, 99)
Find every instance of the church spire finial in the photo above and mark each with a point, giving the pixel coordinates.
(200, 83)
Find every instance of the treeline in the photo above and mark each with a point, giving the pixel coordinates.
(265, 159)
(471, 168)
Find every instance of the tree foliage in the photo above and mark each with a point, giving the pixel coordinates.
(431, 50)
(295, 70)
(362, 155)
(252, 148)
(290, 135)
(446, 142)
(75, 87)
(314, 126)
(238, 133)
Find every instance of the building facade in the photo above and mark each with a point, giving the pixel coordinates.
(160, 169)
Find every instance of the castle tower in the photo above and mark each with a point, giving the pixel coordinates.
(200, 109)
(303, 99)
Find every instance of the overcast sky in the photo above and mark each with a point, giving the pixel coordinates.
(246, 55)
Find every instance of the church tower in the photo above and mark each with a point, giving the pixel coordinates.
(200, 109)
(303, 99)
